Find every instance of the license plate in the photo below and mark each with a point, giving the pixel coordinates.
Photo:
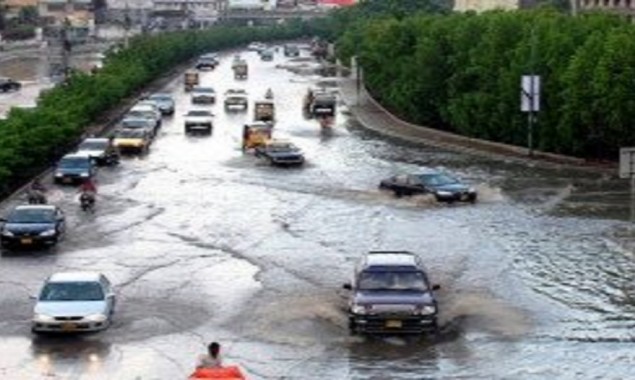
(67, 180)
(69, 327)
(393, 324)
(26, 241)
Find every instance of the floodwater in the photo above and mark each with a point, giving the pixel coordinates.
(206, 243)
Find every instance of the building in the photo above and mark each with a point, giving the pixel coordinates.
(485, 5)
(13, 7)
(78, 15)
(620, 6)
(200, 13)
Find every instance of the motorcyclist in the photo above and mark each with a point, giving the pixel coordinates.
(112, 152)
(212, 359)
(269, 94)
(36, 192)
(87, 192)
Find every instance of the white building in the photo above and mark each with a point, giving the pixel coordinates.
(485, 5)
(202, 12)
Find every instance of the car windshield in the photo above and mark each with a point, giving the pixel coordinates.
(161, 98)
(75, 163)
(129, 134)
(134, 123)
(32, 216)
(199, 113)
(204, 90)
(144, 114)
(282, 148)
(93, 145)
(392, 281)
(437, 179)
(72, 291)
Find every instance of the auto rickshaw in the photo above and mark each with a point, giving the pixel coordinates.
(221, 373)
(256, 134)
(264, 110)
(190, 79)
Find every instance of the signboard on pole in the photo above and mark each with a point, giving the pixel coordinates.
(530, 93)
(627, 162)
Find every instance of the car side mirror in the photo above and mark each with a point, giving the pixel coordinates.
(436, 287)
(347, 286)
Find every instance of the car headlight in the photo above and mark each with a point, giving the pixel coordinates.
(58, 174)
(425, 310)
(7, 233)
(50, 232)
(43, 318)
(442, 193)
(96, 318)
(471, 190)
(360, 309)
(83, 174)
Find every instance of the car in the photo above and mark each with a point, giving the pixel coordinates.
(207, 61)
(164, 101)
(266, 55)
(29, 226)
(320, 103)
(95, 148)
(74, 168)
(203, 95)
(139, 123)
(132, 140)
(256, 46)
(8, 84)
(197, 120)
(291, 50)
(71, 302)
(236, 98)
(444, 187)
(265, 110)
(147, 111)
(280, 152)
(391, 293)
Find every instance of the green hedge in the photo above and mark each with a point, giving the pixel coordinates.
(461, 73)
(31, 140)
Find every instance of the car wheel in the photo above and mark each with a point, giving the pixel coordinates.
(398, 193)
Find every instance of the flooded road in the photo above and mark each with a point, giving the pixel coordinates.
(205, 243)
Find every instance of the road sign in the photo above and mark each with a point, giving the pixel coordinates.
(627, 162)
(530, 93)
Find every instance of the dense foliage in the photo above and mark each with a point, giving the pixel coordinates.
(32, 139)
(461, 73)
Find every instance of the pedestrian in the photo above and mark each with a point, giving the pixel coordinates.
(212, 358)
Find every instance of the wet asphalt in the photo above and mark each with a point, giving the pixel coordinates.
(206, 243)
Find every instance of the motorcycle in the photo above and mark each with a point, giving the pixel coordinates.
(87, 202)
(36, 197)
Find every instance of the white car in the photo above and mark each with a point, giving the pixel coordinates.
(199, 120)
(74, 302)
(236, 98)
(146, 111)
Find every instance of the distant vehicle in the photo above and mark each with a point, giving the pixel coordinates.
(147, 111)
(256, 46)
(320, 103)
(266, 55)
(391, 293)
(199, 120)
(444, 187)
(280, 153)
(190, 79)
(207, 61)
(203, 95)
(129, 140)
(8, 84)
(264, 110)
(236, 98)
(74, 302)
(291, 50)
(256, 134)
(95, 148)
(30, 226)
(139, 123)
(241, 69)
(74, 168)
(165, 102)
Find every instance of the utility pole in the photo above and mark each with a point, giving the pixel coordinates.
(575, 5)
(127, 23)
(66, 47)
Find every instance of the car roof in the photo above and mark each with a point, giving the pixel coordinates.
(95, 139)
(74, 276)
(75, 155)
(391, 260)
(143, 107)
(35, 207)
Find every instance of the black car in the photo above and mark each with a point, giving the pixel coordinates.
(74, 168)
(280, 153)
(391, 293)
(207, 61)
(30, 226)
(291, 51)
(444, 187)
(8, 84)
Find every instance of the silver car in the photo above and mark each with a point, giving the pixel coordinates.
(74, 302)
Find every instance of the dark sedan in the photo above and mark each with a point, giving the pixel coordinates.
(32, 226)
(74, 168)
(444, 187)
